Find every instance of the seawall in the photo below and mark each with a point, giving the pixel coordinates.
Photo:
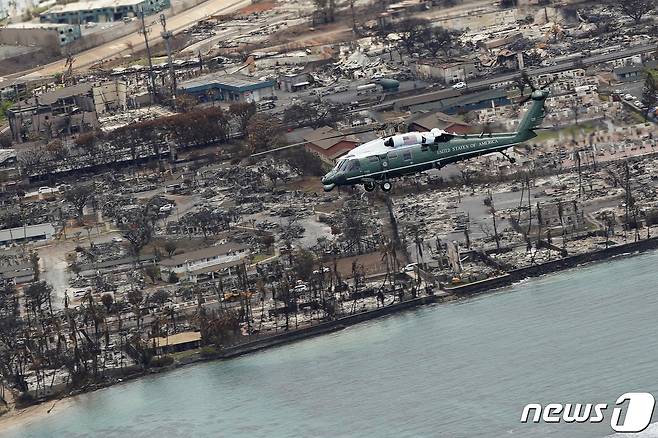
(552, 266)
(325, 327)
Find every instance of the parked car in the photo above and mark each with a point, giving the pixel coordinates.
(459, 85)
(410, 267)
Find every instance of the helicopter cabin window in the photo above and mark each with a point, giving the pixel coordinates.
(424, 148)
(406, 155)
(354, 165)
(374, 159)
(392, 155)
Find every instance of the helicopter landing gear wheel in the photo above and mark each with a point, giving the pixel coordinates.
(387, 186)
(369, 186)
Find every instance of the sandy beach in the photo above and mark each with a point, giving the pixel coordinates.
(19, 417)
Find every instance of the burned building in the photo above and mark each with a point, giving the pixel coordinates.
(447, 72)
(567, 214)
(8, 165)
(66, 110)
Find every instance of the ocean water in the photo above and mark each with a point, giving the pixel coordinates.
(458, 370)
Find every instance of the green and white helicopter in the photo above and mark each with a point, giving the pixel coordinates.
(379, 161)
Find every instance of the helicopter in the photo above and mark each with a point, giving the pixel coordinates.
(379, 161)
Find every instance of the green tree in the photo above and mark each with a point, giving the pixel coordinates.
(263, 133)
(4, 106)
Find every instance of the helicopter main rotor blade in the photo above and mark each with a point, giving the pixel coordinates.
(551, 82)
(527, 80)
(289, 146)
(525, 99)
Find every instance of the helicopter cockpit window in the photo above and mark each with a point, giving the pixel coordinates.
(342, 165)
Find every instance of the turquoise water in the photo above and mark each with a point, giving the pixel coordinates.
(458, 370)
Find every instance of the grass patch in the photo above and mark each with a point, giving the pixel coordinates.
(569, 131)
(184, 354)
(4, 106)
(260, 257)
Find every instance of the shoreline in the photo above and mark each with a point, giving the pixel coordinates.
(17, 417)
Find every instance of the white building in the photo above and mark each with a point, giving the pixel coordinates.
(195, 265)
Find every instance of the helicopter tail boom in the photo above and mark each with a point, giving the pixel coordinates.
(533, 118)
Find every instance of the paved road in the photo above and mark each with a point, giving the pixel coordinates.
(120, 46)
(54, 266)
(484, 84)
(569, 65)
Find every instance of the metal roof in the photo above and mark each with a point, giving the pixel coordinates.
(178, 338)
(31, 25)
(436, 120)
(27, 232)
(318, 137)
(204, 253)
(239, 83)
(91, 5)
(427, 97)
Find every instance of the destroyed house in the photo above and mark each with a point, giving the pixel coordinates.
(8, 164)
(561, 213)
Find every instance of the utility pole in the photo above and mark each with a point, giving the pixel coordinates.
(166, 35)
(353, 16)
(144, 31)
(67, 75)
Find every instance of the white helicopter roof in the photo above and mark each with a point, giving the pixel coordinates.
(377, 146)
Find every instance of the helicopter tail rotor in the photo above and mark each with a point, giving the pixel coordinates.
(526, 79)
